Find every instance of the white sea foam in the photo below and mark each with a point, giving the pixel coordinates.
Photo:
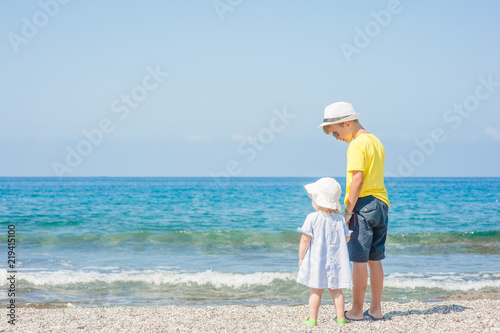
(213, 279)
(444, 281)
(156, 277)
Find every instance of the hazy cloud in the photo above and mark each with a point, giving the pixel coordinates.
(240, 137)
(492, 133)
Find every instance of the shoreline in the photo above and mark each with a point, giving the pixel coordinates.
(480, 315)
(469, 296)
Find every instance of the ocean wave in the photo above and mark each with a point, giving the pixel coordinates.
(471, 237)
(223, 238)
(484, 242)
(444, 281)
(161, 279)
(153, 277)
(245, 236)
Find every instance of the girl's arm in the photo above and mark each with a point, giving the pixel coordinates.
(304, 245)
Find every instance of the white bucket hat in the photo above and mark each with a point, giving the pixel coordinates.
(325, 193)
(338, 113)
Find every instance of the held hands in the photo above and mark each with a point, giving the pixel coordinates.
(347, 218)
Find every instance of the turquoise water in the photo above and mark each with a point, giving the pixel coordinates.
(198, 241)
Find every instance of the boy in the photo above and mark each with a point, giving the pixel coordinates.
(367, 205)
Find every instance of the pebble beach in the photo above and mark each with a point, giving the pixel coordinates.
(480, 315)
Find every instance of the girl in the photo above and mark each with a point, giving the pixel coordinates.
(323, 256)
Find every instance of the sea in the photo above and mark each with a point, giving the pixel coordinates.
(105, 242)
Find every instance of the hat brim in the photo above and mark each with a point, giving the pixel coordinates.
(312, 191)
(310, 188)
(347, 118)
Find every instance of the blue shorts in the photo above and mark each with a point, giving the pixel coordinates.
(369, 225)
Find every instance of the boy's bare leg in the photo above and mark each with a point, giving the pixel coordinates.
(359, 281)
(314, 302)
(376, 285)
(338, 300)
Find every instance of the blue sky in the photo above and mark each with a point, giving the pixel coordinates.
(200, 88)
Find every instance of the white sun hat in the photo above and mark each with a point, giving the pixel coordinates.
(338, 113)
(325, 193)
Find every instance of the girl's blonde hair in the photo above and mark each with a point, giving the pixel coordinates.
(324, 209)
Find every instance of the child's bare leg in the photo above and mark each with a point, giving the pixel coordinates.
(376, 285)
(338, 300)
(314, 302)
(359, 282)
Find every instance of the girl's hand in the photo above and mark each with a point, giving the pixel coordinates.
(300, 262)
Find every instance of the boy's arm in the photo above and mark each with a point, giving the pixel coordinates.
(354, 191)
(304, 244)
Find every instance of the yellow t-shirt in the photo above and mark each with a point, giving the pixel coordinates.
(366, 153)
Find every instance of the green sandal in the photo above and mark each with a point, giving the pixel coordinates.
(341, 321)
(308, 322)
